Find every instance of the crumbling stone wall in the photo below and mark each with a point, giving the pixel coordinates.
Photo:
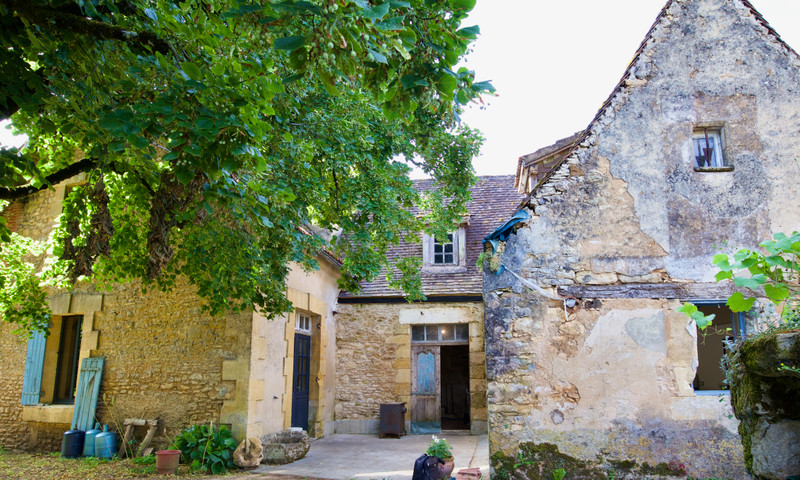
(373, 364)
(609, 379)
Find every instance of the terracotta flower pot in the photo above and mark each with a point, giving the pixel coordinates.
(446, 468)
(167, 461)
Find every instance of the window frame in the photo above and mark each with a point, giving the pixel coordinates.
(300, 321)
(439, 330)
(715, 131)
(459, 252)
(738, 322)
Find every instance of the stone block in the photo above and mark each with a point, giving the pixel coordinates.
(285, 447)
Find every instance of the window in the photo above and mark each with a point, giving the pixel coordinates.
(444, 255)
(712, 344)
(457, 332)
(708, 149)
(67, 362)
(444, 251)
(302, 323)
(51, 366)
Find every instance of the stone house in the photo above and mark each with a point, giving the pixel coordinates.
(165, 359)
(694, 152)
(429, 354)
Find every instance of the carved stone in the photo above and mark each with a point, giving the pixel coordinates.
(249, 453)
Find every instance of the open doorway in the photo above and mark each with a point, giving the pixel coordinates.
(440, 396)
(455, 387)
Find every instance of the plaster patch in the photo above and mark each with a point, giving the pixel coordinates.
(648, 332)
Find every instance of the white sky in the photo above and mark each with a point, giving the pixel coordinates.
(555, 62)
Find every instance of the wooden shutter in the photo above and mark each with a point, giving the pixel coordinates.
(86, 396)
(34, 363)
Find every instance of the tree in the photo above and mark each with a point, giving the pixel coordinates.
(217, 135)
(776, 270)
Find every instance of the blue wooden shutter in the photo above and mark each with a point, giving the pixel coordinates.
(34, 363)
(86, 396)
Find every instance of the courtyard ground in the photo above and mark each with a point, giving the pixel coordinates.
(337, 457)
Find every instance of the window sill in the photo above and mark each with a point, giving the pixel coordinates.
(727, 168)
(711, 393)
(48, 413)
(444, 269)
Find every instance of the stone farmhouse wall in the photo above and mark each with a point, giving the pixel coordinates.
(165, 358)
(373, 364)
(610, 379)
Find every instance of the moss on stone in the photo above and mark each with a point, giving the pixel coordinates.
(538, 462)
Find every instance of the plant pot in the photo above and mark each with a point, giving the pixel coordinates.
(167, 461)
(446, 468)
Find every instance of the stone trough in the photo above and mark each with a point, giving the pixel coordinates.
(285, 446)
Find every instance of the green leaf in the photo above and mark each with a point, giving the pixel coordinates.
(289, 43)
(737, 302)
(777, 293)
(463, 4)
(752, 283)
(377, 12)
(720, 276)
(377, 56)
(702, 320)
(192, 71)
(688, 308)
(470, 32)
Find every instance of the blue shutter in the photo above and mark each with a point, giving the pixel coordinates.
(86, 396)
(34, 363)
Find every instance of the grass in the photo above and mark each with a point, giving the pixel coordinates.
(50, 466)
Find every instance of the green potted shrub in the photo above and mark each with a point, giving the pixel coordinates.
(439, 447)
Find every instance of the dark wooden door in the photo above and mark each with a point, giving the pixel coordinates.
(425, 389)
(300, 380)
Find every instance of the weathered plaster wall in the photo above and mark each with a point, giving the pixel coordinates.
(373, 366)
(611, 380)
(313, 293)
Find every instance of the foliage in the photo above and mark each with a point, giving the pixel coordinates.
(22, 298)
(776, 270)
(439, 447)
(559, 473)
(206, 448)
(144, 465)
(214, 133)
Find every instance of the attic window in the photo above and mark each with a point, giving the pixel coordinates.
(708, 150)
(444, 251)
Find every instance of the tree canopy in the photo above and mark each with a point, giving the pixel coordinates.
(219, 137)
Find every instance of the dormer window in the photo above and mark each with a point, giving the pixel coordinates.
(708, 150)
(444, 251)
(446, 254)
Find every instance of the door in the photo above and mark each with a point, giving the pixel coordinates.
(454, 370)
(300, 380)
(425, 389)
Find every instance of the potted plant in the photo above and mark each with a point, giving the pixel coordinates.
(440, 448)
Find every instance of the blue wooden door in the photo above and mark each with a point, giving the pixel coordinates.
(300, 380)
(34, 363)
(87, 393)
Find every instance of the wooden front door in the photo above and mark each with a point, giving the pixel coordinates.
(300, 380)
(425, 389)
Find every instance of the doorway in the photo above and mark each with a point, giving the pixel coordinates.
(455, 387)
(440, 396)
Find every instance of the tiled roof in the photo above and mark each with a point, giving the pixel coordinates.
(494, 199)
(544, 172)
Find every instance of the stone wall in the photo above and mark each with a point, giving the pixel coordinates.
(165, 358)
(373, 365)
(609, 380)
